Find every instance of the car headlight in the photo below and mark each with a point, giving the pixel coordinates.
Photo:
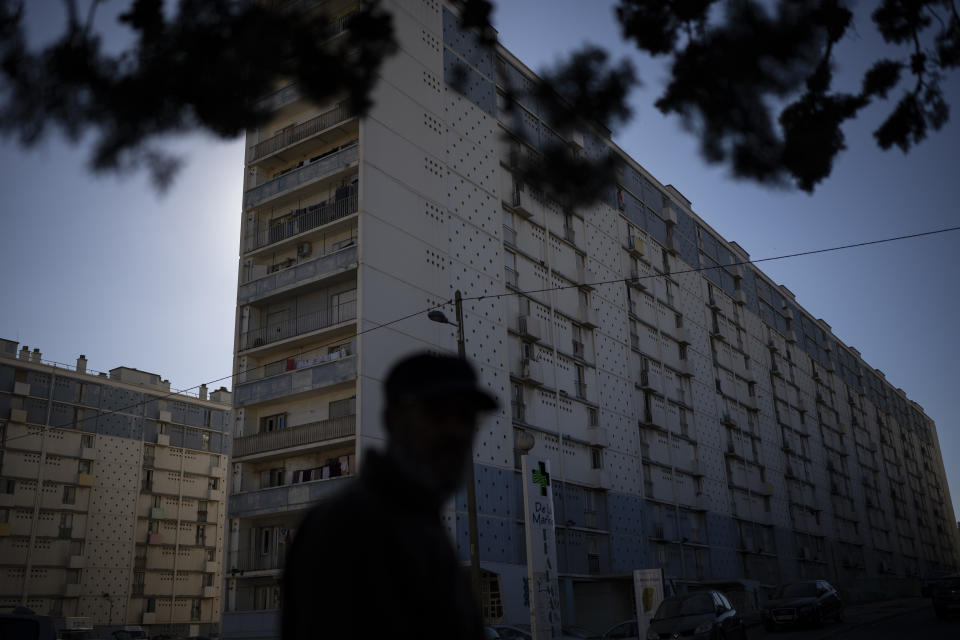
(652, 635)
(703, 627)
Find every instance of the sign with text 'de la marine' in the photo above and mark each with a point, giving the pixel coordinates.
(541, 549)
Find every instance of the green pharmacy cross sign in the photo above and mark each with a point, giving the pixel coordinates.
(542, 478)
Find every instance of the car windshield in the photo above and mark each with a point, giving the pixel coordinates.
(799, 590)
(692, 605)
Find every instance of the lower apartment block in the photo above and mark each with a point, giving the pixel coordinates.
(697, 418)
(112, 495)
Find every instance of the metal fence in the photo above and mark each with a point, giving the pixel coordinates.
(299, 325)
(303, 219)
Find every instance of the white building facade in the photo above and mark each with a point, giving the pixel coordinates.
(695, 415)
(112, 495)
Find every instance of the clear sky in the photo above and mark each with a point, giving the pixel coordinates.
(105, 267)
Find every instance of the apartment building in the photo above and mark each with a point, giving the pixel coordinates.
(700, 421)
(112, 495)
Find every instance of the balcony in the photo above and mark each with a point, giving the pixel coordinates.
(521, 203)
(307, 323)
(638, 279)
(589, 317)
(302, 220)
(286, 279)
(303, 379)
(581, 390)
(284, 498)
(252, 560)
(302, 176)
(509, 236)
(300, 132)
(529, 327)
(598, 437)
(298, 436)
(531, 371)
(510, 277)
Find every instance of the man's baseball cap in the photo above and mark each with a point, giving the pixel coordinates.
(426, 375)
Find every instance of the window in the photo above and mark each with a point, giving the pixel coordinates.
(596, 458)
(4, 515)
(8, 486)
(214, 483)
(682, 351)
(592, 418)
(84, 466)
(195, 609)
(66, 525)
(343, 408)
(202, 510)
(272, 478)
(491, 597)
(266, 541)
(138, 583)
(150, 605)
(273, 423)
(678, 320)
(205, 441)
(69, 495)
(201, 535)
(526, 350)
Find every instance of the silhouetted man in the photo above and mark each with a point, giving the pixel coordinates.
(376, 561)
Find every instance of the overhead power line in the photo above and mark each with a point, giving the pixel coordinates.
(507, 294)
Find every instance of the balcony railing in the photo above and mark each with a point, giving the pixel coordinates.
(301, 272)
(302, 131)
(308, 377)
(300, 220)
(296, 436)
(299, 325)
(320, 168)
(284, 498)
(253, 560)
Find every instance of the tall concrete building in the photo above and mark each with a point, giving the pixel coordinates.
(697, 417)
(112, 495)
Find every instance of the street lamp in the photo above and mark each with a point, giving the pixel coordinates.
(438, 316)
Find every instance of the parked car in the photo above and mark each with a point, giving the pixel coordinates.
(513, 632)
(810, 602)
(702, 615)
(626, 629)
(946, 595)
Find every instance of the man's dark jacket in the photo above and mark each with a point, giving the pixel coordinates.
(376, 562)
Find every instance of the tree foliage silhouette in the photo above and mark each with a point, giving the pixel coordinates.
(753, 80)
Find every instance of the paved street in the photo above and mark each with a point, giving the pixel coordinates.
(891, 620)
